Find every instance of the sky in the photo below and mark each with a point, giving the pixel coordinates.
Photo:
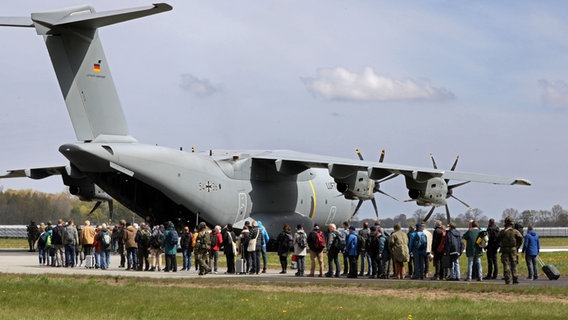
(484, 80)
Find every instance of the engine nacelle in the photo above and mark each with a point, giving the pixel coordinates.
(433, 192)
(357, 186)
(86, 190)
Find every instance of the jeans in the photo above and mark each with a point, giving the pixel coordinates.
(97, 259)
(132, 257)
(69, 255)
(532, 266)
(42, 255)
(301, 260)
(419, 266)
(470, 262)
(492, 263)
(214, 258)
(263, 253)
(455, 269)
(365, 258)
(333, 259)
(105, 259)
(187, 253)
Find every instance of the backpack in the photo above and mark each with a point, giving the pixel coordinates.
(213, 236)
(442, 244)
(145, 238)
(156, 240)
(320, 241)
(302, 240)
(105, 239)
(361, 245)
(68, 236)
(363, 237)
(482, 239)
(57, 235)
(41, 241)
(172, 237)
(47, 240)
(420, 242)
(337, 241)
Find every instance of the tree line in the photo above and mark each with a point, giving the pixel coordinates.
(556, 217)
(23, 206)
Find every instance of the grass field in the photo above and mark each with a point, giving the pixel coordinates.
(87, 297)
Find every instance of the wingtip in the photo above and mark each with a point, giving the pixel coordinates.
(522, 182)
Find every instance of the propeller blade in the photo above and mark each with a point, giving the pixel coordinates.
(392, 176)
(410, 200)
(382, 156)
(375, 206)
(359, 154)
(357, 208)
(465, 204)
(433, 161)
(455, 163)
(386, 194)
(458, 185)
(97, 205)
(429, 214)
(448, 214)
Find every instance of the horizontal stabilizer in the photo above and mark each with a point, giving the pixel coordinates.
(35, 173)
(93, 20)
(16, 22)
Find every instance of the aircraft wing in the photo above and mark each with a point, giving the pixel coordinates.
(34, 173)
(291, 162)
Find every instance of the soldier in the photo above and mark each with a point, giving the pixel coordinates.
(201, 249)
(511, 240)
(33, 233)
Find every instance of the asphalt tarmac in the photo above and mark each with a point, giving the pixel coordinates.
(17, 261)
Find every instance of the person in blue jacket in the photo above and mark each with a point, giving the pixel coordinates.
(531, 249)
(351, 250)
(265, 239)
(417, 246)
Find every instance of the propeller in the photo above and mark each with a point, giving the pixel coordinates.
(376, 187)
(450, 190)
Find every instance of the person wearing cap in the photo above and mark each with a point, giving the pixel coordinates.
(511, 240)
(351, 250)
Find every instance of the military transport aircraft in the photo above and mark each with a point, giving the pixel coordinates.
(216, 186)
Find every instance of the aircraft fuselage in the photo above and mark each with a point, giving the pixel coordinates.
(219, 187)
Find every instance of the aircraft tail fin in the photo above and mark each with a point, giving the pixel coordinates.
(81, 67)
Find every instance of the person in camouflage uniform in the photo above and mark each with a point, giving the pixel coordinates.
(201, 249)
(511, 240)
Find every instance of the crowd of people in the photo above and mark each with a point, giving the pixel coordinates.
(368, 252)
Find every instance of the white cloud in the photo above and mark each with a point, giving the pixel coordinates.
(554, 94)
(341, 84)
(197, 87)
